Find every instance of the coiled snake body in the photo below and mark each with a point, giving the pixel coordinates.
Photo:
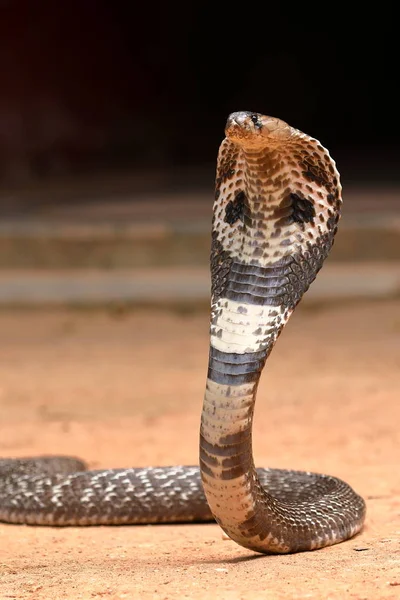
(278, 200)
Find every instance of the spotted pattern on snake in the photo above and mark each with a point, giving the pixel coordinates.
(276, 210)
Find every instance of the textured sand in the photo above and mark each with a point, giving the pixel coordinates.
(126, 389)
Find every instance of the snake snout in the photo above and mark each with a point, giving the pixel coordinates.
(243, 124)
(241, 118)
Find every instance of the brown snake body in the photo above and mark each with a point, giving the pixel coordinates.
(278, 200)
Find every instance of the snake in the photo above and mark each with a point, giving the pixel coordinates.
(278, 201)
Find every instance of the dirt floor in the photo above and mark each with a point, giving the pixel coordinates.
(123, 389)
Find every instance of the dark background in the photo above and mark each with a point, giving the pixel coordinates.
(90, 87)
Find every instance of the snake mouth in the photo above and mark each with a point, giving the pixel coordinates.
(251, 129)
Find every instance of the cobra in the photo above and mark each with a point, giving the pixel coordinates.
(277, 206)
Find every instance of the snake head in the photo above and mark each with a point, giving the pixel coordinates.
(252, 130)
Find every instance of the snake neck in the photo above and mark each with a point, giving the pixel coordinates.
(275, 217)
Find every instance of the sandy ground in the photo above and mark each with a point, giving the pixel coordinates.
(124, 389)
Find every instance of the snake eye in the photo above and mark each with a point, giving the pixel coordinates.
(255, 120)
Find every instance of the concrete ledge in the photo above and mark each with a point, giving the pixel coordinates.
(179, 285)
(42, 245)
(171, 231)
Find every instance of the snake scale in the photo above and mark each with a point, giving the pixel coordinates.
(276, 210)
